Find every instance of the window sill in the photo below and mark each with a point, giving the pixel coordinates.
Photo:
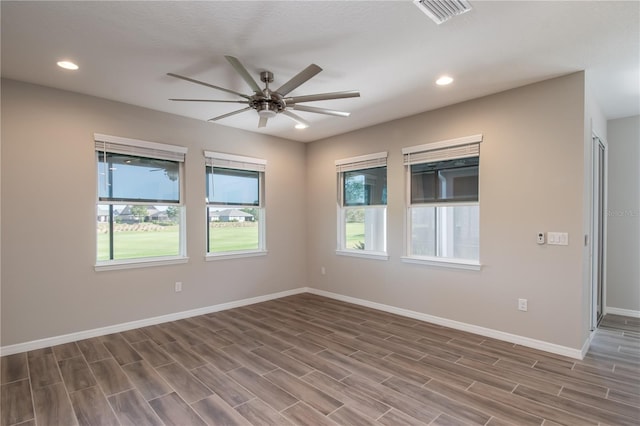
(363, 254)
(471, 265)
(139, 263)
(234, 255)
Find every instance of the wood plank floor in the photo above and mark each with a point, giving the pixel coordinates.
(308, 360)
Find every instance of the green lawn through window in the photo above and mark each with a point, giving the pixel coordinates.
(233, 236)
(354, 234)
(165, 241)
(134, 244)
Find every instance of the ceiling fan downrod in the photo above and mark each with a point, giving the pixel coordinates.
(267, 105)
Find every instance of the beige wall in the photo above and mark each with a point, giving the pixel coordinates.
(531, 179)
(623, 226)
(49, 286)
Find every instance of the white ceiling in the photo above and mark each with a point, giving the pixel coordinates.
(389, 50)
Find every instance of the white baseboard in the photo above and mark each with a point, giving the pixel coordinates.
(587, 343)
(623, 312)
(500, 335)
(86, 334)
(488, 332)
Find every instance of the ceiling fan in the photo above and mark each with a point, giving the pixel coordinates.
(269, 103)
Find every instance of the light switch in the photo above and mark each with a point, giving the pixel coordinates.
(558, 238)
(564, 238)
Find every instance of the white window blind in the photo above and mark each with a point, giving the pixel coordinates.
(362, 206)
(139, 148)
(452, 149)
(237, 162)
(368, 161)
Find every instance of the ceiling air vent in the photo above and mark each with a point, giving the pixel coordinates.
(442, 10)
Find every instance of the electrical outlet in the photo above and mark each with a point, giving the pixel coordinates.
(178, 287)
(540, 238)
(522, 305)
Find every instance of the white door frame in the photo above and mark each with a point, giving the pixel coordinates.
(598, 269)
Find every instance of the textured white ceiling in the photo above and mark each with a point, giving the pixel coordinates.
(389, 50)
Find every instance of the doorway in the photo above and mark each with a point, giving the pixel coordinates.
(598, 230)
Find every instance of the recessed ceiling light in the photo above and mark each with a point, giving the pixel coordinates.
(444, 80)
(301, 126)
(67, 65)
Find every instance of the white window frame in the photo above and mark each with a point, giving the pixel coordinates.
(361, 162)
(117, 144)
(464, 147)
(239, 162)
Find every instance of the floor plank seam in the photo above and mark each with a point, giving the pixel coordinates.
(64, 385)
(31, 390)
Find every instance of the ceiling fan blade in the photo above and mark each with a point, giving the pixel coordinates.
(229, 114)
(322, 97)
(296, 118)
(209, 100)
(321, 110)
(262, 122)
(240, 69)
(299, 79)
(208, 85)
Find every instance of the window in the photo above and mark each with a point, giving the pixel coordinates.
(235, 205)
(362, 206)
(140, 208)
(443, 212)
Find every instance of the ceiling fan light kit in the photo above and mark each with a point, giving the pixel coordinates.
(270, 103)
(266, 109)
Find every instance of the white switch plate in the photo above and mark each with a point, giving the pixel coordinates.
(558, 238)
(522, 305)
(178, 287)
